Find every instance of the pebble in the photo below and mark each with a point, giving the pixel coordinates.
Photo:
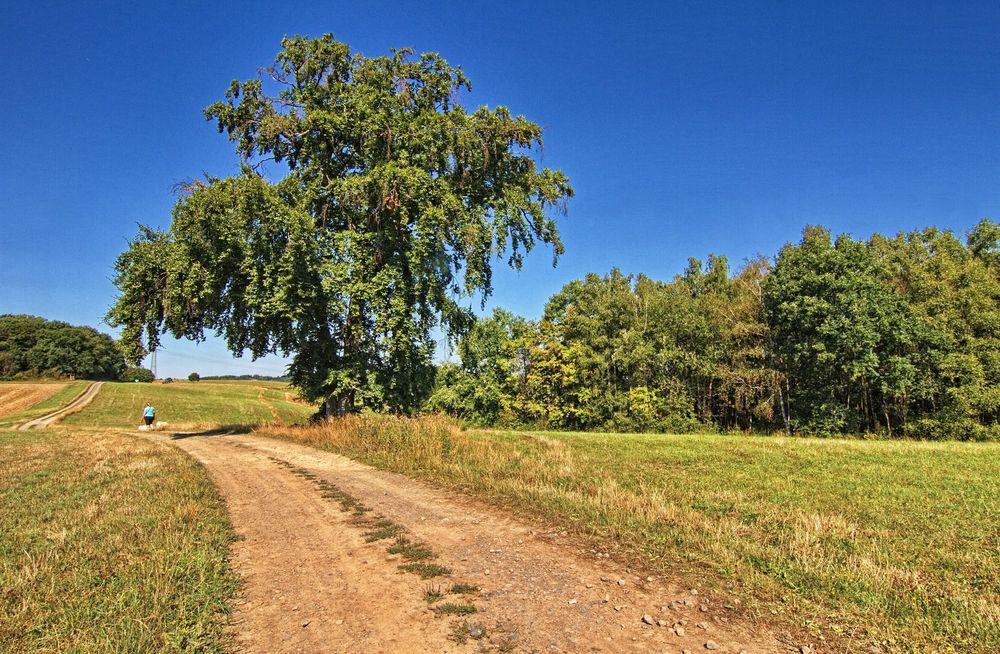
(573, 601)
(621, 582)
(661, 623)
(649, 579)
(339, 622)
(703, 608)
(806, 649)
(710, 645)
(679, 631)
(476, 632)
(305, 623)
(694, 591)
(590, 585)
(648, 619)
(702, 625)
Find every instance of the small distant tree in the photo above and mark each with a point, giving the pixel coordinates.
(194, 377)
(137, 374)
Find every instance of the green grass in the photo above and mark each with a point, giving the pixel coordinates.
(409, 550)
(185, 404)
(450, 608)
(425, 570)
(109, 544)
(857, 542)
(60, 398)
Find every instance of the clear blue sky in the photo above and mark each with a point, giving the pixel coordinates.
(686, 128)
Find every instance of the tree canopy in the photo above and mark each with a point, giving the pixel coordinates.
(35, 347)
(394, 204)
(897, 336)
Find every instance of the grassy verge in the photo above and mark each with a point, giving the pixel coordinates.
(184, 404)
(859, 543)
(109, 543)
(60, 398)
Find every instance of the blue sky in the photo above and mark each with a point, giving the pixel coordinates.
(686, 128)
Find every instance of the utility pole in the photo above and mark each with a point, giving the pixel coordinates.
(152, 362)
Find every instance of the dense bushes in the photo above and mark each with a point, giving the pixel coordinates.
(137, 374)
(893, 336)
(35, 347)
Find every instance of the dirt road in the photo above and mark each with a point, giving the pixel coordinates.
(313, 584)
(82, 400)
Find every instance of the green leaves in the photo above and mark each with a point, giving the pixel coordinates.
(32, 346)
(893, 336)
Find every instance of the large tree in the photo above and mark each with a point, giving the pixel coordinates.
(393, 205)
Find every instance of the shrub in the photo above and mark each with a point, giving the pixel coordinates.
(138, 374)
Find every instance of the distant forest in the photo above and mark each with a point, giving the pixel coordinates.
(890, 336)
(33, 347)
(283, 378)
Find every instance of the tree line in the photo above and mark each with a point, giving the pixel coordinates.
(894, 336)
(33, 347)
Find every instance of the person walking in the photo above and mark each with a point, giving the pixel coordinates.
(148, 414)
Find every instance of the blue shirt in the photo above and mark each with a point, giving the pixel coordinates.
(148, 412)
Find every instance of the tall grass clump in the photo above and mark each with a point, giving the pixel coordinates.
(883, 543)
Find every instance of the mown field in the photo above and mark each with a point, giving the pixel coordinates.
(23, 401)
(190, 405)
(109, 543)
(892, 545)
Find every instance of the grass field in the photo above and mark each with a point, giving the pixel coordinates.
(109, 543)
(859, 543)
(23, 401)
(187, 405)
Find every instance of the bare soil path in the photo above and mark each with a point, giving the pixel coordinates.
(312, 583)
(82, 400)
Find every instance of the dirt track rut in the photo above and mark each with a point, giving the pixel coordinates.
(312, 583)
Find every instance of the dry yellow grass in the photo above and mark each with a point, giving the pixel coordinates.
(16, 397)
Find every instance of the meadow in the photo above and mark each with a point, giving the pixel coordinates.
(193, 405)
(109, 543)
(859, 543)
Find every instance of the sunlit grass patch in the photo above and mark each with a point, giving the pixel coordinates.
(109, 544)
(192, 405)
